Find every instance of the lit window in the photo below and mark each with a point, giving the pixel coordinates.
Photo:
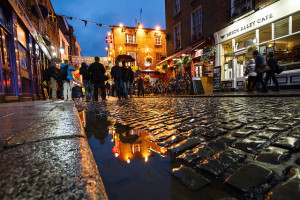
(158, 40)
(177, 38)
(158, 57)
(135, 56)
(197, 24)
(21, 35)
(130, 39)
(176, 6)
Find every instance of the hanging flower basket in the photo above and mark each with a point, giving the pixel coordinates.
(209, 50)
(252, 48)
(231, 54)
(147, 79)
(149, 59)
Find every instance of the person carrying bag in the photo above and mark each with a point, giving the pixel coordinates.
(260, 69)
(274, 68)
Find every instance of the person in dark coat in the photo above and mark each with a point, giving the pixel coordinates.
(259, 61)
(131, 79)
(141, 86)
(272, 62)
(86, 76)
(117, 74)
(125, 79)
(97, 76)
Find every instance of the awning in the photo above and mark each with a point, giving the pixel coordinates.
(184, 51)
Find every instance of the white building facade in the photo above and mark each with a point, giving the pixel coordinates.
(273, 28)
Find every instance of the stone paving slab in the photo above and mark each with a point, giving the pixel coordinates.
(46, 155)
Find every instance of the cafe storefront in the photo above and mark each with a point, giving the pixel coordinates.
(275, 28)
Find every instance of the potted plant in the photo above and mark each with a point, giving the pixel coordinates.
(149, 59)
(251, 48)
(230, 54)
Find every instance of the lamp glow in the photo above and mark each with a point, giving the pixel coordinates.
(62, 50)
(121, 25)
(157, 28)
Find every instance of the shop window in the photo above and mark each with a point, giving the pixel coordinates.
(197, 24)
(281, 28)
(265, 33)
(130, 38)
(176, 6)
(296, 22)
(4, 48)
(228, 71)
(240, 66)
(21, 35)
(245, 40)
(23, 57)
(177, 38)
(2, 17)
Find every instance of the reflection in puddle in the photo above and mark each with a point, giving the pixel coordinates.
(132, 167)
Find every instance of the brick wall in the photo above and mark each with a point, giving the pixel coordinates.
(215, 16)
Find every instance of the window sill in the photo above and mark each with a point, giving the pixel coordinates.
(158, 45)
(176, 14)
(133, 44)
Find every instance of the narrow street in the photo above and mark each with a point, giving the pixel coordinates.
(248, 144)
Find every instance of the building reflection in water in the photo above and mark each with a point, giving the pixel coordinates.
(129, 144)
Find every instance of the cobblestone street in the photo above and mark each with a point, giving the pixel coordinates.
(251, 144)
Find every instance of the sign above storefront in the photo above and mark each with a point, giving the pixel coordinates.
(108, 40)
(260, 18)
(199, 53)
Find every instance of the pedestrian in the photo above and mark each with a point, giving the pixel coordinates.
(107, 85)
(131, 79)
(250, 68)
(272, 62)
(259, 68)
(117, 74)
(125, 79)
(68, 81)
(52, 74)
(86, 76)
(113, 89)
(141, 87)
(97, 72)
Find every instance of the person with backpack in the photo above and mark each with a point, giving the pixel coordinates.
(52, 75)
(65, 74)
(97, 72)
(86, 76)
(131, 79)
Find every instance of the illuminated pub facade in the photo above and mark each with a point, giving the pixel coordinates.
(268, 26)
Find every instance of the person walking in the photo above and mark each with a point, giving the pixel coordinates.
(272, 62)
(131, 79)
(97, 77)
(141, 86)
(117, 74)
(107, 85)
(251, 75)
(52, 74)
(68, 82)
(86, 76)
(125, 79)
(259, 63)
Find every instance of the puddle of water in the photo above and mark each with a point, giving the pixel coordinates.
(132, 167)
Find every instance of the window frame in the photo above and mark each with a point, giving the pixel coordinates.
(131, 53)
(177, 6)
(158, 40)
(128, 39)
(177, 39)
(195, 36)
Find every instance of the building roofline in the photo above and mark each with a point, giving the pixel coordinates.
(149, 29)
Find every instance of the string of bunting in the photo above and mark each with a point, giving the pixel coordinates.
(86, 22)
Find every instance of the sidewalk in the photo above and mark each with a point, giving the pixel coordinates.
(44, 153)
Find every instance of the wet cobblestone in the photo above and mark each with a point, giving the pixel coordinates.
(231, 138)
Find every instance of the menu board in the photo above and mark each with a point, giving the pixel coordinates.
(217, 78)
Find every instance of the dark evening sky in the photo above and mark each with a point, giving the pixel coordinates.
(111, 12)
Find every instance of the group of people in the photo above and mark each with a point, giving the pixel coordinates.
(123, 80)
(62, 75)
(257, 68)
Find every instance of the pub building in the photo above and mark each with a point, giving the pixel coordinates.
(23, 54)
(274, 28)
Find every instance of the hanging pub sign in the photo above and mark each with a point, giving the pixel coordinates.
(199, 53)
(108, 40)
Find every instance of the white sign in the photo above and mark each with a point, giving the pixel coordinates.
(267, 15)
